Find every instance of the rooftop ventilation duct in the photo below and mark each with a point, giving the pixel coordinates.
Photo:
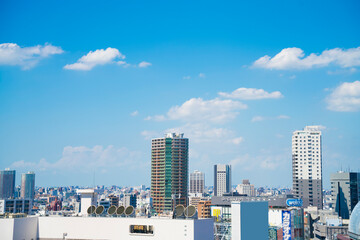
(190, 212)
(129, 211)
(112, 210)
(99, 210)
(120, 211)
(179, 211)
(91, 210)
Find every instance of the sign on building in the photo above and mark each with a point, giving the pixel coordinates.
(294, 202)
(286, 224)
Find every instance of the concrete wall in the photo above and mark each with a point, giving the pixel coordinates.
(19, 228)
(249, 220)
(118, 228)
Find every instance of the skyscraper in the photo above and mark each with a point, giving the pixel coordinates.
(345, 191)
(307, 166)
(197, 182)
(7, 184)
(222, 179)
(169, 171)
(28, 185)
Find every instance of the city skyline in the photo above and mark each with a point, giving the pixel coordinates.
(84, 96)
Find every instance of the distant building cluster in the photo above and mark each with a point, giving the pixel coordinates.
(179, 205)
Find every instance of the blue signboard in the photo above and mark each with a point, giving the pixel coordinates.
(286, 224)
(294, 202)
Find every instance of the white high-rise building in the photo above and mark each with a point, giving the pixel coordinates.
(307, 166)
(246, 188)
(197, 182)
(222, 179)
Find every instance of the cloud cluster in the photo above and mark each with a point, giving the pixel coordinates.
(197, 109)
(144, 64)
(98, 57)
(294, 58)
(345, 98)
(251, 94)
(82, 158)
(26, 57)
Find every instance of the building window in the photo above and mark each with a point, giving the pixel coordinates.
(142, 229)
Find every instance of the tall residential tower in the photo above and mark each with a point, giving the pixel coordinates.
(222, 179)
(169, 171)
(197, 182)
(307, 166)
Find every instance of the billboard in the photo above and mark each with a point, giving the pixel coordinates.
(286, 224)
(294, 202)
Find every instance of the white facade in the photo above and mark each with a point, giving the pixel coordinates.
(246, 188)
(222, 179)
(306, 144)
(197, 182)
(249, 220)
(88, 198)
(109, 228)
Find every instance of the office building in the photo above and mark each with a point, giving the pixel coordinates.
(197, 182)
(169, 171)
(222, 179)
(345, 191)
(307, 166)
(246, 188)
(7, 184)
(28, 185)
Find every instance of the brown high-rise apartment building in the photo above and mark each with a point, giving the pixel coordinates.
(169, 171)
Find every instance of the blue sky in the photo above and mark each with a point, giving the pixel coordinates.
(85, 85)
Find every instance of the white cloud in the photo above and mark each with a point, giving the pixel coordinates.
(196, 109)
(150, 134)
(186, 77)
(294, 58)
(83, 158)
(202, 75)
(345, 98)
(261, 118)
(257, 119)
(237, 140)
(135, 113)
(283, 117)
(144, 64)
(251, 94)
(26, 57)
(97, 57)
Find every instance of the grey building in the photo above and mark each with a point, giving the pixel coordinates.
(222, 179)
(28, 185)
(130, 200)
(345, 191)
(307, 166)
(197, 182)
(7, 184)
